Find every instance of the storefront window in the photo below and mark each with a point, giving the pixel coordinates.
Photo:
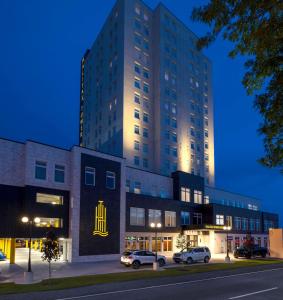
(50, 222)
(193, 240)
(154, 244)
(131, 243)
(143, 243)
(49, 199)
(167, 244)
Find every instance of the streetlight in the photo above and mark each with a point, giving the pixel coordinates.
(31, 222)
(156, 226)
(227, 229)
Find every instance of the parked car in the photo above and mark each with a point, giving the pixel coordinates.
(191, 255)
(250, 252)
(2, 256)
(137, 258)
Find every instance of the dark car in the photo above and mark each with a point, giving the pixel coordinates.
(249, 252)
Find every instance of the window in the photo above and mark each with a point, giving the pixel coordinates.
(59, 175)
(110, 180)
(145, 132)
(49, 199)
(197, 218)
(137, 83)
(198, 197)
(185, 218)
(174, 123)
(145, 117)
(137, 129)
(89, 176)
(174, 137)
(137, 10)
(128, 185)
(229, 221)
(40, 170)
(166, 76)
(145, 87)
(167, 244)
(219, 220)
(145, 148)
(50, 222)
(145, 163)
(136, 160)
(154, 216)
(137, 187)
(145, 73)
(170, 219)
(136, 145)
(206, 199)
(237, 223)
(137, 114)
(185, 194)
(137, 216)
(252, 224)
(137, 69)
(174, 152)
(257, 224)
(137, 98)
(244, 223)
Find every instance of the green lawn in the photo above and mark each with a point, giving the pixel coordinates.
(73, 282)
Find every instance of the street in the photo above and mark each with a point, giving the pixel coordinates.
(251, 283)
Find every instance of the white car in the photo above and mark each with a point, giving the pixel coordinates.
(193, 255)
(140, 257)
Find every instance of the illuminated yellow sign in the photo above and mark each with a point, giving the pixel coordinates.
(100, 220)
(219, 227)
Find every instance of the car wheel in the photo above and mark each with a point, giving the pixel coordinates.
(161, 262)
(189, 260)
(136, 264)
(127, 266)
(206, 259)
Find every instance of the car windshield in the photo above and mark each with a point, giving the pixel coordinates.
(127, 253)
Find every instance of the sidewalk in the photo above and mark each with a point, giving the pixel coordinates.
(14, 273)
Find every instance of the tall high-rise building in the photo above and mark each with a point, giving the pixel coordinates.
(146, 93)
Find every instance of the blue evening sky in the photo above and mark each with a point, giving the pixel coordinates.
(41, 45)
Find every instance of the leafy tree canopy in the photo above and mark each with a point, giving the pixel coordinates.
(255, 27)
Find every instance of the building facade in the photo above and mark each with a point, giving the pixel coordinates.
(99, 207)
(146, 93)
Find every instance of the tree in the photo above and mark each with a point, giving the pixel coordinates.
(182, 242)
(255, 28)
(50, 249)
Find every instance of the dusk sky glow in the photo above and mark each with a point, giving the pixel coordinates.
(42, 43)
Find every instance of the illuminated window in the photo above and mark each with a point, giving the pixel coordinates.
(219, 220)
(137, 187)
(238, 222)
(167, 244)
(40, 170)
(206, 199)
(198, 197)
(137, 216)
(59, 175)
(50, 222)
(137, 10)
(244, 223)
(170, 219)
(154, 216)
(185, 194)
(49, 199)
(166, 76)
(89, 176)
(110, 180)
(229, 221)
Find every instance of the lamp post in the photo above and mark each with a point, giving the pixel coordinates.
(26, 220)
(227, 229)
(155, 226)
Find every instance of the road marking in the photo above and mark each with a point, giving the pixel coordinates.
(167, 285)
(254, 293)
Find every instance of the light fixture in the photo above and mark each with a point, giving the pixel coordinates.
(152, 225)
(25, 219)
(36, 220)
(158, 225)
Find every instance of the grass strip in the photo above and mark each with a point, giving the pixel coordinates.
(87, 280)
